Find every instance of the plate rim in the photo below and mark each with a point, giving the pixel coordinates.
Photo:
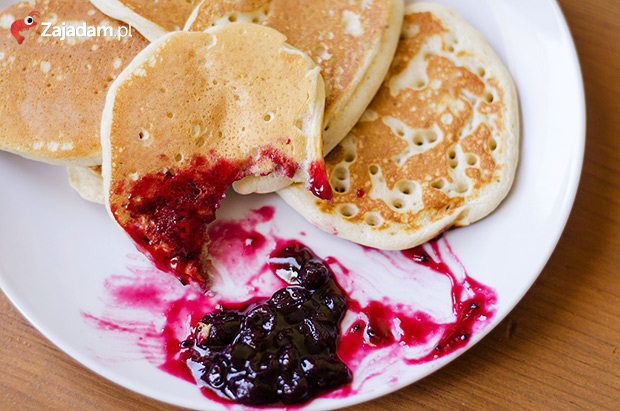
(569, 196)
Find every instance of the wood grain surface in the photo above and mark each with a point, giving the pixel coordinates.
(559, 349)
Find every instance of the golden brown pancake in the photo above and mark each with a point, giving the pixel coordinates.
(193, 113)
(437, 147)
(53, 90)
(152, 18)
(352, 42)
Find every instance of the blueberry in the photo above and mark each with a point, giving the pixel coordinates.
(215, 376)
(265, 366)
(260, 317)
(288, 359)
(294, 388)
(336, 306)
(308, 309)
(282, 350)
(289, 298)
(311, 307)
(247, 390)
(316, 337)
(260, 320)
(224, 359)
(284, 338)
(250, 337)
(240, 354)
(313, 274)
(326, 372)
(295, 316)
(300, 254)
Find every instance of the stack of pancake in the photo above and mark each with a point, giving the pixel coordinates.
(411, 126)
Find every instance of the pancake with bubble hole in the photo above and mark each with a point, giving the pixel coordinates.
(352, 42)
(152, 18)
(437, 147)
(53, 90)
(194, 112)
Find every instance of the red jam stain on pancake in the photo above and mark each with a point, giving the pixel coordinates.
(376, 328)
(169, 211)
(318, 183)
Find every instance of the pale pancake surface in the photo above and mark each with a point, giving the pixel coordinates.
(152, 18)
(52, 91)
(437, 147)
(195, 112)
(352, 42)
(88, 183)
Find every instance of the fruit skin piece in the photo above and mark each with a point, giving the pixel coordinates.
(218, 329)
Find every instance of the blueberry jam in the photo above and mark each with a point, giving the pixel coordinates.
(280, 350)
(402, 308)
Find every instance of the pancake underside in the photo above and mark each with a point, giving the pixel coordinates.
(437, 147)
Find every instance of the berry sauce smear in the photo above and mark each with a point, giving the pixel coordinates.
(380, 325)
(282, 326)
(167, 213)
(472, 303)
(279, 350)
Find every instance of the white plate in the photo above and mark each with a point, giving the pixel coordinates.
(57, 251)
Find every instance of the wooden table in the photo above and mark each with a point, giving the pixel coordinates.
(560, 347)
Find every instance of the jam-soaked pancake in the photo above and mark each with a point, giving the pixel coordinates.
(195, 112)
(437, 147)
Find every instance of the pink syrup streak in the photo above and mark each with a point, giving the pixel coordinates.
(240, 253)
(472, 306)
